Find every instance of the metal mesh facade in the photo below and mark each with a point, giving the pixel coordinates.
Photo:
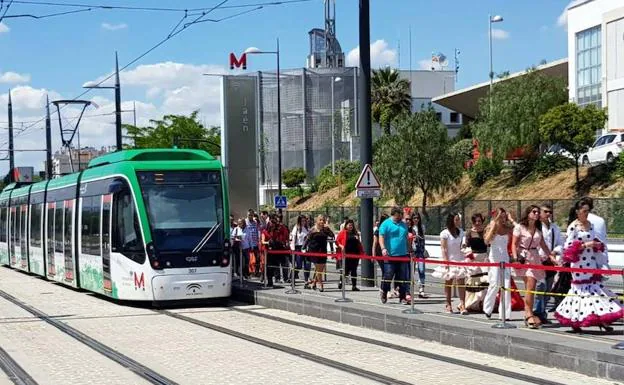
(312, 103)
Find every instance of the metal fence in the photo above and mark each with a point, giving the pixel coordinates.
(611, 209)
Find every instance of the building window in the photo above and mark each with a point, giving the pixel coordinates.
(454, 117)
(439, 116)
(589, 67)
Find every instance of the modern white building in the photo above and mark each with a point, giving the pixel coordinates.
(596, 56)
(429, 84)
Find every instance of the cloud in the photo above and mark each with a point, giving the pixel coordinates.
(499, 34)
(562, 20)
(114, 27)
(14, 77)
(4, 28)
(381, 55)
(160, 89)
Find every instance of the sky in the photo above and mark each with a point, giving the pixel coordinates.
(56, 56)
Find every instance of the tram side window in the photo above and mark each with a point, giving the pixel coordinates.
(86, 225)
(12, 225)
(35, 224)
(95, 225)
(91, 225)
(127, 237)
(50, 234)
(3, 225)
(18, 225)
(58, 228)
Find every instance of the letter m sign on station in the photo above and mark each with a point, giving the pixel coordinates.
(238, 63)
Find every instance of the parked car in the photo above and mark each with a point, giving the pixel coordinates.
(556, 149)
(605, 149)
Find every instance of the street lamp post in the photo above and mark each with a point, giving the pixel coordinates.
(256, 51)
(333, 125)
(492, 19)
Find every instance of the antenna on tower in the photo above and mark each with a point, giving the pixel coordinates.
(457, 52)
(330, 33)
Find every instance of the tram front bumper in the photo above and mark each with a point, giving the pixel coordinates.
(191, 286)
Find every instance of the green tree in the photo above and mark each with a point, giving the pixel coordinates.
(390, 97)
(573, 128)
(434, 167)
(294, 178)
(509, 117)
(186, 130)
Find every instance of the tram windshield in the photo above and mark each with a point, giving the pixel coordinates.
(182, 207)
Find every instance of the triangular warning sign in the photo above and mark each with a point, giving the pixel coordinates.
(367, 179)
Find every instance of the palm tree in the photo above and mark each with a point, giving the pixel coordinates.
(390, 96)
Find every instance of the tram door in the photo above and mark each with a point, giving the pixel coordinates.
(12, 237)
(23, 238)
(67, 250)
(106, 242)
(50, 246)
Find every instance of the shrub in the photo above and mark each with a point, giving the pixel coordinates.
(294, 177)
(550, 164)
(347, 170)
(463, 149)
(483, 170)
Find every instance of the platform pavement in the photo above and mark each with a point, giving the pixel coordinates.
(589, 353)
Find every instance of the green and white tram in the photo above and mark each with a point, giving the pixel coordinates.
(143, 225)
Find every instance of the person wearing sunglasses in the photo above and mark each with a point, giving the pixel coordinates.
(526, 241)
(552, 238)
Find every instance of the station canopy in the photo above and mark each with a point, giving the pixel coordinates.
(466, 101)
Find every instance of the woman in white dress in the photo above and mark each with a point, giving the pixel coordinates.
(497, 235)
(589, 302)
(451, 242)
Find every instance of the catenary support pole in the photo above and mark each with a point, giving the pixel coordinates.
(366, 140)
(48, 126)
(11, 149)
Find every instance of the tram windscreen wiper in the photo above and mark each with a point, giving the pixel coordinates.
(206, 238)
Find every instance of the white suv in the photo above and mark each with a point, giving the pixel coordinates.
(605, 149)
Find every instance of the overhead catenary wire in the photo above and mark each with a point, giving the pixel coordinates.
(156, 9)
(200, 16)
(6, 9)
(170, 36)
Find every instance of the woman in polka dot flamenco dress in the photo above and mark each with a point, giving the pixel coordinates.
(589, 302)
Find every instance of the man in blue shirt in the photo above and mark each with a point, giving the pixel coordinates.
(394, 243)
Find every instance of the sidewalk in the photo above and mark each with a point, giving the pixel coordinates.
(588, 353)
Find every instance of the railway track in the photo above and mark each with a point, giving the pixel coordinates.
(123, 360)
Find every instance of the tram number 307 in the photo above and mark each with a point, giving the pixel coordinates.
(192, 271)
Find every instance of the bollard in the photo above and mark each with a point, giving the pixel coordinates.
(292, 289)
(412, 310)
(501, 304)
(620, 345)
(343, 280)
(240, 266)
(266, 257)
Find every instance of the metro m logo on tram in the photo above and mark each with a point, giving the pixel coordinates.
(139, 282)
(238, 63)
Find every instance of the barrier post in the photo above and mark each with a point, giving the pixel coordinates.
(292, 289)
(343, 279)
(412, 309)
(501, 303)
(240, 265)
(620, 345)
(266, 257)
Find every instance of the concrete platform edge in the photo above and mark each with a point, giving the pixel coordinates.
(542, 349)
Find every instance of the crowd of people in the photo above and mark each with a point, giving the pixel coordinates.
(582, 301)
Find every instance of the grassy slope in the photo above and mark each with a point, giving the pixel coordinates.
(594, 182)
